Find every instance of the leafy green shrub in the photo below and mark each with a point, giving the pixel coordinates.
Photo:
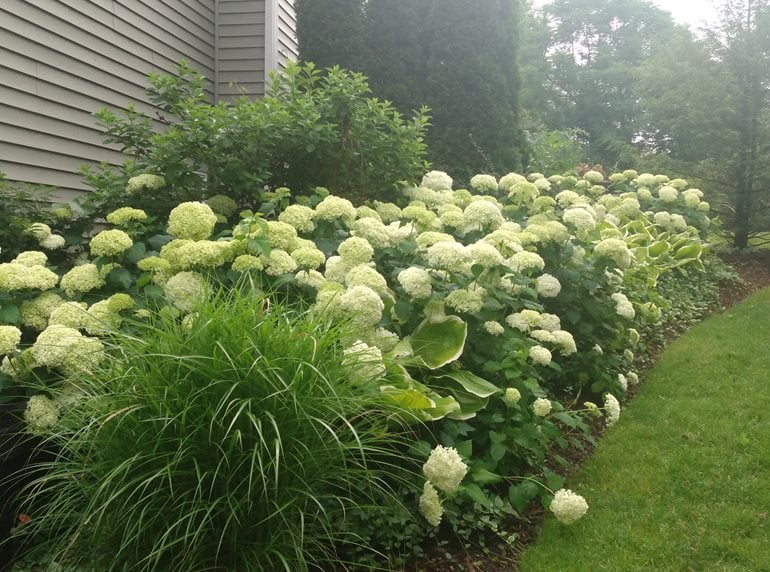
(492, 315)
(312, 128)
(235, 440)
(24, 205)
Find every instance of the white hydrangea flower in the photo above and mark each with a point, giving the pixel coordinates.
(568, 198)
(509, 180)
(364, 275)
(484, 183)
(633, 378)
(547, 286)
(566, 341)
(280, 262)
(568, 507)
(281, 234)
(623, 306)
(645, 180)
(633, 336)
(484, 254)
(522, 192)
(580, 218)
(427, 239)
(191, 221)
(298, 216)
(310, 278)
(362, 305)
(550, 322)
(110, 243)
(541, 406)
(416, 282)
(593, 177)
(185, 289)
(622, 382)
(430, 505)
(437, 180)
(466, 300)
(523, 320)
(10, 336)
(365, 360)
(355, 250)
(611, 409)
(668, 194)
(493, 328)
(615, 249)
(525, 260)
(482, 215)
(511, 396)
(389, 212)
(374, 232)
(41, 414)
(308, 257)
(543, 336)
(145, 181)
(333, 208)
(125, 215)
(450, 256)
(31, 258)
(628, 354)
(539, 355)
(445, 468)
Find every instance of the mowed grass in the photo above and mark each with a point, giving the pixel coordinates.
(682, 482)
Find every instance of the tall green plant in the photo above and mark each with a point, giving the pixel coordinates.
(236, 440)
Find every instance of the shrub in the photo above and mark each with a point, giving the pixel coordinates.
(234, 440)
(494, 315)
(312, 128)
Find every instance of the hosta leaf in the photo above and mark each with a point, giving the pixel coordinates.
(440, 340)
(471, 383)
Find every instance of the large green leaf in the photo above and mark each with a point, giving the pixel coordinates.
(439, 340)
(470, 382)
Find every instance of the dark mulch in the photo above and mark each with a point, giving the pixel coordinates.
(754, 270)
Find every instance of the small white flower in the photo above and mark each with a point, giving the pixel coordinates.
(430, 504)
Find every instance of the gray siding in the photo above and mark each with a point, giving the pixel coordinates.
(61, 61)
(286, 32)
(240, 51)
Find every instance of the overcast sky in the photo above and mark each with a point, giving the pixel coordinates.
(689, 12)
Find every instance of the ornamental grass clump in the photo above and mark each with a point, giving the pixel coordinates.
(237, 440)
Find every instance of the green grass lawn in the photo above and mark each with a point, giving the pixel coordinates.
(682, 482)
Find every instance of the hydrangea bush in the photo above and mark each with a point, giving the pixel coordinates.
(500, 315)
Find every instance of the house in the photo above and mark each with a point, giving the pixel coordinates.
(62, 60)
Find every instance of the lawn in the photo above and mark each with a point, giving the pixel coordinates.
(683, 481)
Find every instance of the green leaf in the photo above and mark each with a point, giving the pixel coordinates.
(465, 448)
(159, 240)
(471, 383)
(658, 248)
(9, 314)
(497, 451)
(440, 340)
(690, 251)
(520, 495)
(484, 476)
(120, 278)
(475, 493)
(136, 252)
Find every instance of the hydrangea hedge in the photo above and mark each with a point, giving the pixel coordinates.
(506, 316)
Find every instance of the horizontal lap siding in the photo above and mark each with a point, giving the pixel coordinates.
(240, 48)
(61, 61)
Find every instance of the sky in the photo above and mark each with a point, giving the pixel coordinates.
(689, 12)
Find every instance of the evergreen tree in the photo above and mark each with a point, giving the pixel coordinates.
(472, 87)
(455, 56)
(331, 32)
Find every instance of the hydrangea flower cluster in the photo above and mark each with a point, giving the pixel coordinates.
(191, 221)
(41, 414)
(445, 469)
(567, 506)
